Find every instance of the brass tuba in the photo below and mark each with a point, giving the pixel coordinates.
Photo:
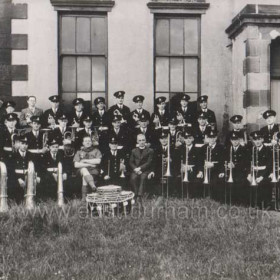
(60, 197)
(3, 191)
(31, 186)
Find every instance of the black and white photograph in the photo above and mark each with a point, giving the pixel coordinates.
(139, 139)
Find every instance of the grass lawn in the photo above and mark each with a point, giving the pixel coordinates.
(182, 240)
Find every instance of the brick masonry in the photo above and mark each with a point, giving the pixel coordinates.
(9, 42)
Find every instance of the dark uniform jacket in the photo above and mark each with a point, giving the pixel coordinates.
(98, 120)
(58, 135)
(125, 111)
(5, 138)
(241, 160)
(79, 137)
(48, 112)
(33, 141)
(73, 117)
(188, 115)
(198, 134)
(268, 134)
(132, 122)
(164, 119)
(150, 136)
(122, 137)
(19, 163)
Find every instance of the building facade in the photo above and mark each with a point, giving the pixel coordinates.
(226, 49)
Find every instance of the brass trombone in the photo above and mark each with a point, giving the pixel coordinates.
(230, 178)
(254, 165)
(186, 177)
(206, 169)
(168, 172)
(122, 173)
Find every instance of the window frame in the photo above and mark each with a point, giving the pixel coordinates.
(61, 55)
(183, 56)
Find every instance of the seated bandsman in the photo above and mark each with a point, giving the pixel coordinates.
(85, 131)
(194, 167)
(113, 164)
(51, 115)
(140, 163)
(36, 141)
(145, 129)
(119, 108)
(176, 138)
(30, 111)
(17, 171)
(161, 116)
(120, 133)
(50, 170)
(77, 116)
(236, 121)
(139, 111)
(59, 132)
(6, 135)
(261, 168)
(238, 166)
(87, 162)
(213, 156)
(203, 103)
(271, 129)
(200, 130)
(7, 107)
(184, 114)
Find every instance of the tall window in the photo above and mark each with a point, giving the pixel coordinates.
(83, 57)
(177, 56)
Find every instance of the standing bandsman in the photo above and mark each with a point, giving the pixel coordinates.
(30, 111)
(194, 162)
(200, 130)
(85, 131)
(101, 122)
(271, 129)
(119, 108)
(145, 129)
(184, 113)
(78, 115)
(213, 155)
(236, 121)
(161, 116)
(261, 165)
(53, 113)
(203, 103)
(6, 142)
(8, 107)
(113, 164)
(176, 138)
(139, 111)
(238, 165)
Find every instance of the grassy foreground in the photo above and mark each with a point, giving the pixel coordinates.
(185, 240)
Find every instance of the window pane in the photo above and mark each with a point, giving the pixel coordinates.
(162, 74)
(98, 35)
(177, 36)
(68, 34)
(98, 74)
(176, 74)
(83, 35)
(193, 96)
(67, 99)
(85, 95)
(191, 74)
(83, 73)
(191, 36)
(69, 74)
(162, 36)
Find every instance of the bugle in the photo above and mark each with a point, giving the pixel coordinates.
(168, 173)
(60, 197)
(3, 191)
(31, 186)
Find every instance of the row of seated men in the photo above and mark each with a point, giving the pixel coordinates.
(125, 137)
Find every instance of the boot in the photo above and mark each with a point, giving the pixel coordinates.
(90, 181)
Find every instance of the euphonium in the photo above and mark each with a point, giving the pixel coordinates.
(60, 198)
(31, 187)
(253, 162)
(3, 192)
(168, 173)
(186, 177)
(69, 150)
(230, 179)
(206, 171)
(275, 164)
(122, 173)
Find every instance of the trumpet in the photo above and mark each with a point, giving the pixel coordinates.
(157, 122)
(230, 178)
(254, 163)
(168, 173)
(60, 198)
(206, 169)
(31, 186)
(3, 191)
(186, 177)
(122, 173)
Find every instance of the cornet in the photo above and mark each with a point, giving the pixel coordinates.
(3, 191)
(168, 173)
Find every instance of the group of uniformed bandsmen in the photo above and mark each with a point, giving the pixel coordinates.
(171, 152)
